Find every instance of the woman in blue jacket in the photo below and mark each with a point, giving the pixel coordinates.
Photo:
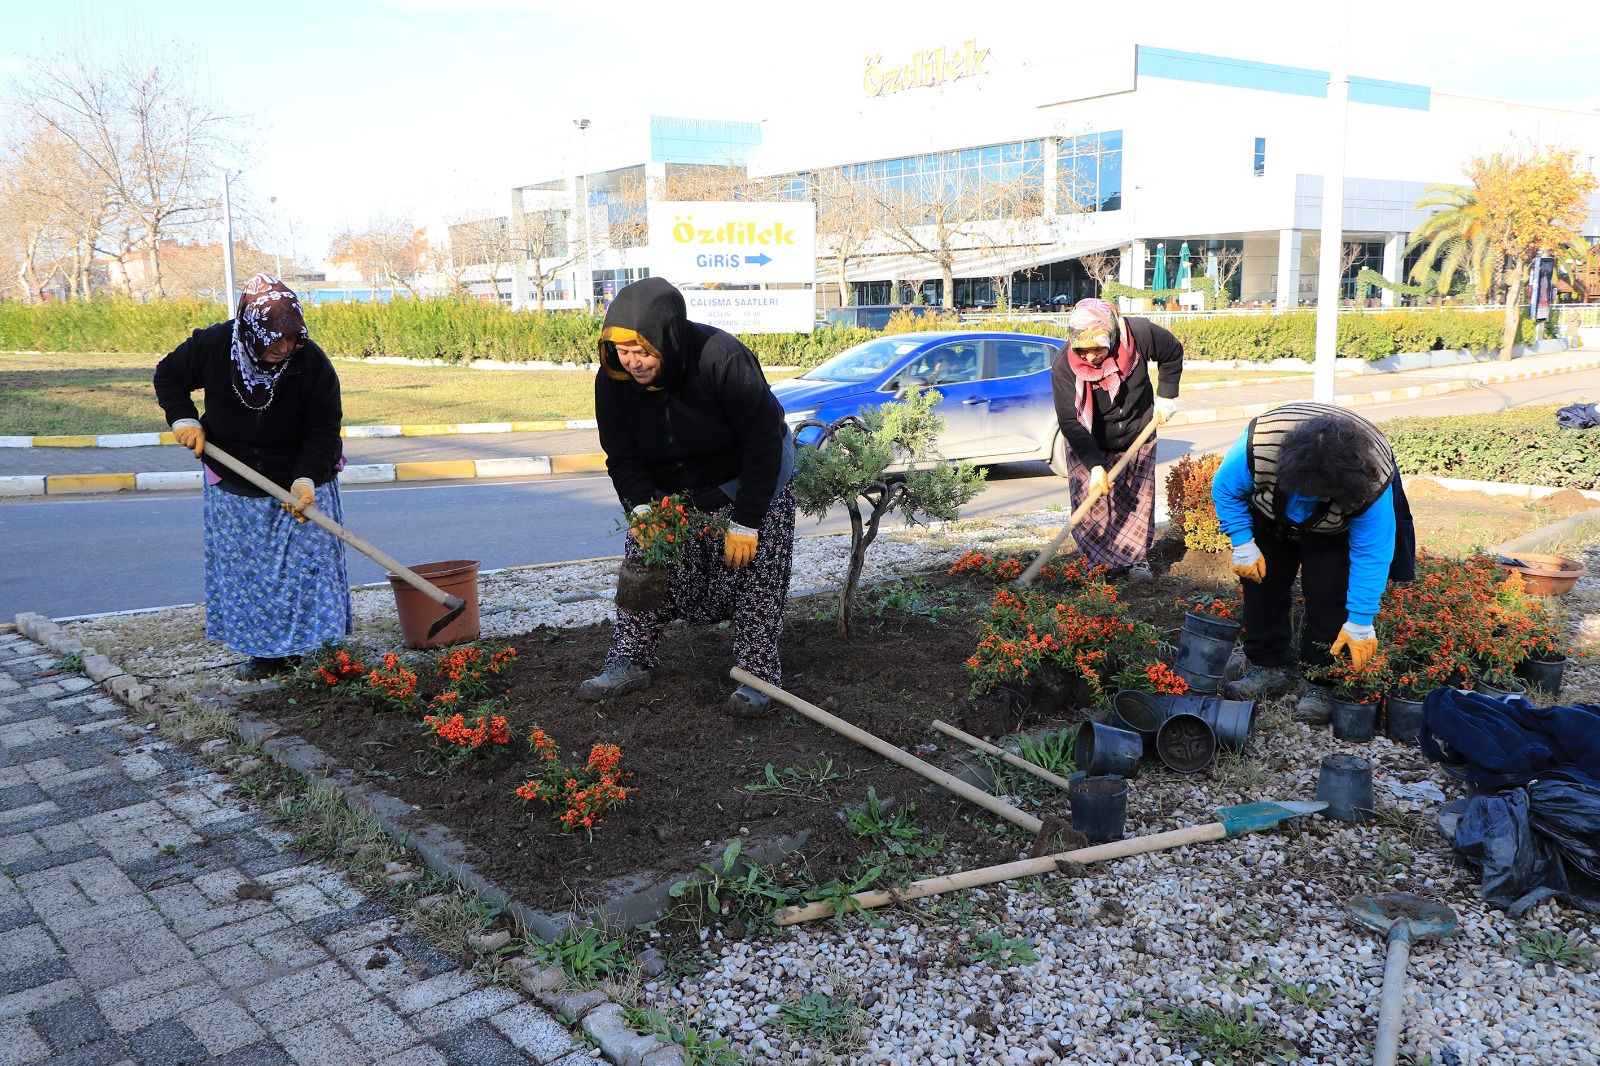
(1311, 490)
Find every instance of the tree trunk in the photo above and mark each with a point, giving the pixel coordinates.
(1513, 287)
(947, 276)
(154, 259)
(852, 579)
(844, 286)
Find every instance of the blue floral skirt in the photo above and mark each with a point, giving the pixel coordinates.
(274, 586)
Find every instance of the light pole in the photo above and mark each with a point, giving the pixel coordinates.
(583, 165)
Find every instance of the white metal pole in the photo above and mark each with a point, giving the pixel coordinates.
(227, 233)
(277, 259)
(1332, 242)
(588, 261)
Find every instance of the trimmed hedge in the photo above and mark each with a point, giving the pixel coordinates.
(1522, 446)
(463, 330)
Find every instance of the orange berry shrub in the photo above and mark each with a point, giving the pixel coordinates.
(579, 796)
(1081, 635)
(665, 528)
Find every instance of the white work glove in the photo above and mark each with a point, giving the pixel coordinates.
(639, 510)
(1098, 482)
(1165, 409)
(1248, 562)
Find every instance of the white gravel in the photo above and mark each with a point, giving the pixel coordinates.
(1241, 927)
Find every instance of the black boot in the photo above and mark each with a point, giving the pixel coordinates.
(259, 669)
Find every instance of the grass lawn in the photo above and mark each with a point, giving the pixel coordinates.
(57, 393)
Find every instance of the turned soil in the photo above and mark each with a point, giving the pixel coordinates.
(691, 762)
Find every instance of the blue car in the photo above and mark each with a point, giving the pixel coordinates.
(996, 404)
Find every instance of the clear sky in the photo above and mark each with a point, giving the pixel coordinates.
(422, 107)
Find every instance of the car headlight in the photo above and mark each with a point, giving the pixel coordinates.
(791, 417)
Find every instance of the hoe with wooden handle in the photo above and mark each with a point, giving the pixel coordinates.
(1246, 818)
(1000, 753)
(1083, 508)
(453, 605)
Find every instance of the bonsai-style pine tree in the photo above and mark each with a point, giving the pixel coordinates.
(851, 465)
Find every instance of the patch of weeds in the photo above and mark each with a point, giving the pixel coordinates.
(587, 956)
(1217, 1035)
(169, 849)
(896, 834)
(1238, 978)
(1050, 751)
(1414, 824)
(1265, 933)
(70, 664)
(729, 887)
(324, 822)
(1238, 771)
(193, 722)
(957, 908)
(697, 1050)
(817, 1016)
(1392, 862)
(910, 596)
(457, 918)
(1312, 997)
(838, 895)
(807, 782)
(1009, 951)
(1556, 949)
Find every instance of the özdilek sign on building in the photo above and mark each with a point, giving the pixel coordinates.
(737, 247)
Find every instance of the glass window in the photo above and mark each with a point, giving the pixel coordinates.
(948, 364)
(1014, 358)
(863, 362)
(1261, 156)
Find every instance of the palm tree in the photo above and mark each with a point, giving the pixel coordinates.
(1453, 241)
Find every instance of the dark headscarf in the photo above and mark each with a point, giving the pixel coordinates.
(650, 313)
(268, 310)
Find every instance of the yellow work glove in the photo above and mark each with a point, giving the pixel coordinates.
(1248, 562)
(738, 546)
(1360, 641)
(191, 435)
(1098, 482)
(305, 494)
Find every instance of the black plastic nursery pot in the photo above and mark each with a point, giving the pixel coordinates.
(1543, 674)
(1185, 743)
(1138, 712)
(1206, 625)
(1344, 782)
(1099, 807)
(1106, 751)
(1203, 655)
(1230, 720)
(1500, 690)
(1354, 721)
(1402, 719)
(1200, 682)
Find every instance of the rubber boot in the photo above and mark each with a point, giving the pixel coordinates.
(619, 676)
(746, 702)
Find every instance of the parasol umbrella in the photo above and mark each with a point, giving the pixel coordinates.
(1160, 279)
(1183, 266)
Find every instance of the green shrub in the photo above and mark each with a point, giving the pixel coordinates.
(460, 330)
(1521, 446)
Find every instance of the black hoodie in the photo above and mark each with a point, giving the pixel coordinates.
(707, 419)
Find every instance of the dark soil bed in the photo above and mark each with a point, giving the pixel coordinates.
(691, 761)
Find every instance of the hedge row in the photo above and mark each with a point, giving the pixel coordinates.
(1522, 446)
(463, 330)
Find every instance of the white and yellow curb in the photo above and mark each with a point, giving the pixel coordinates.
(448, 429)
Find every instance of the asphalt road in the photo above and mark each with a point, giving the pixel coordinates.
(81, 555)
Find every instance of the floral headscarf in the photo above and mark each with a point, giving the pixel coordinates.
(1096, 324)
(268, 311)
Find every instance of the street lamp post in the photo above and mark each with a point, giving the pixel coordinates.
(227, 236)
(583, 165)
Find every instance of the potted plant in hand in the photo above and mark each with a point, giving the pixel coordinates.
(658, 534)
(1357, 694)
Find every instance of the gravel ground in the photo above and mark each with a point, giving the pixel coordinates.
(1168, 957)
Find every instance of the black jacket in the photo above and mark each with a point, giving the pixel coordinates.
(708, 419)
(1118, 423)
(295, 436)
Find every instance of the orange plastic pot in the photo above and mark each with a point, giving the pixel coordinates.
(1545, 575)
(458, 577)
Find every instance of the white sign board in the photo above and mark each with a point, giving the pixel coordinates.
(733, 242)
(753, 310)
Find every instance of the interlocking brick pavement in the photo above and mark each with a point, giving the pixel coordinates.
(124, 938)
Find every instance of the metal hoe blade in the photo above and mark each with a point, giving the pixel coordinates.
(456, 605)
(1423, 918)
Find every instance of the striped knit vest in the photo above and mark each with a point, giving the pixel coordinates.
(1267, 431)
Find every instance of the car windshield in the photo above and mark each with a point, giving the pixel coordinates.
(865, 361)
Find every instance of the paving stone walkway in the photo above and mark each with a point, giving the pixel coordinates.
(148, 916)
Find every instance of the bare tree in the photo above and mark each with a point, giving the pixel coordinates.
(1229, 262)
(1100, 266)
(540, 236)
(849, 217)
(385, 252)
(137, 128)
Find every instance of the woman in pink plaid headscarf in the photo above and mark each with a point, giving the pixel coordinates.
(1104, 399)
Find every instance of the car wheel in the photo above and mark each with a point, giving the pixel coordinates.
(1058, 455)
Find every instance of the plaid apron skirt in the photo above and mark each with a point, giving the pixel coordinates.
(1120, 527)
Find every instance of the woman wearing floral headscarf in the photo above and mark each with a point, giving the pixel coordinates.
(276, 587)
(1104, 399)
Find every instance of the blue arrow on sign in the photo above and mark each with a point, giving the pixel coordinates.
(760, 260)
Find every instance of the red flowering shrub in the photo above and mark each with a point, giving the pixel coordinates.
(581, 795)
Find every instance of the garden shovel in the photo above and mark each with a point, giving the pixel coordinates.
(453, 605)
(1083, 508)
(1402, 918)
(1246, 818)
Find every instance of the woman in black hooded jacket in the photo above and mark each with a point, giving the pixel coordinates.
(684, 409)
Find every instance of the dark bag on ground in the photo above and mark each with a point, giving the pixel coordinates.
(1579, 416)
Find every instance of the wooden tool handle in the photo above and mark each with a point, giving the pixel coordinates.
(890, 752)
(988, 875)
(1000, 753)
(277, 492)
(1391, 1004)
(1083, 508)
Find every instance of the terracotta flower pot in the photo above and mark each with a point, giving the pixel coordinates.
(641, 588)
(1545, 575)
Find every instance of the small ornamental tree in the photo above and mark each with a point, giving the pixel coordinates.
(851, 466)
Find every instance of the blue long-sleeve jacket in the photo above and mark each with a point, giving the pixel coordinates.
(1371, 532)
